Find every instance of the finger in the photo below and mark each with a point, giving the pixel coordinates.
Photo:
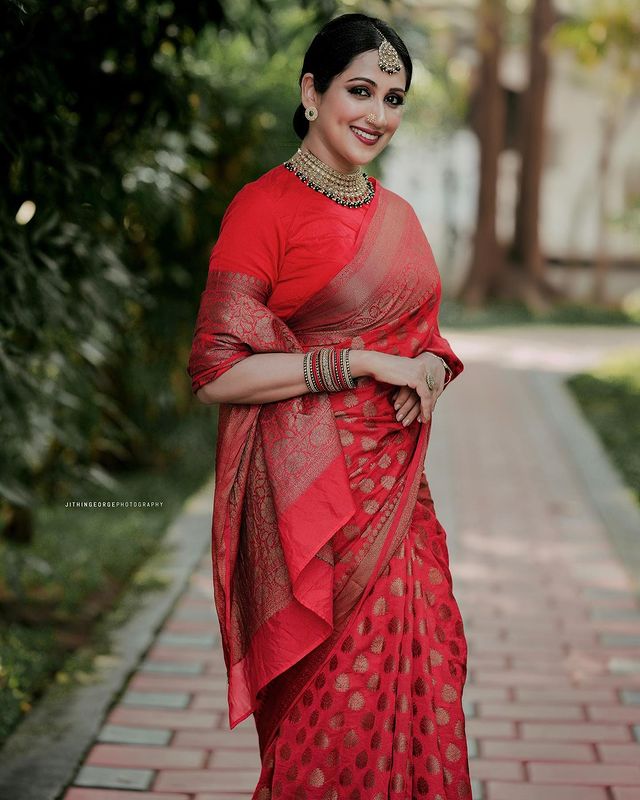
(401, 396)
(406, 407)
(426, 402)
(424, 410)
(412, 416)
(404, 395)
(427, 410)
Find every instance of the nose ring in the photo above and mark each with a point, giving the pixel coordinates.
(371, 118)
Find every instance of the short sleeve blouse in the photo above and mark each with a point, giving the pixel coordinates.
(294, 238)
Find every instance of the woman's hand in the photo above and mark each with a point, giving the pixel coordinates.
(414, 400)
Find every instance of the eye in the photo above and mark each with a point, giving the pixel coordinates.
(397, 100)
(357, 89)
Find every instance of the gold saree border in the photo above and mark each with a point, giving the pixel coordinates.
(274, 708)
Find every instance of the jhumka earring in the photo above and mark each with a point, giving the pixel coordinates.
(388, 58)
(311, 113)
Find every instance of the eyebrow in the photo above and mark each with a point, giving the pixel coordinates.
(373, 83)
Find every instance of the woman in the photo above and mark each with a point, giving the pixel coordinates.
(318, 335)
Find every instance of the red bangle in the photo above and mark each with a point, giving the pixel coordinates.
(335, 369)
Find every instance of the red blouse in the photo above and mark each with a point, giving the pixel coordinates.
(294, 238)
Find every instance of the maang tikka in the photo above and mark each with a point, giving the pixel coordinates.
(388, 58)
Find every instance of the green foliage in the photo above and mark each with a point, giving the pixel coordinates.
(27, 658)
(602, 36)
(83, 89)
(601, 29)
(610, 398)
(125, 129)
(80, 561)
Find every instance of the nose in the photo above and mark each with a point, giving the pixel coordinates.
(380, 115)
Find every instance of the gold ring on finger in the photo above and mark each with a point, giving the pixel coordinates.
(431, 383)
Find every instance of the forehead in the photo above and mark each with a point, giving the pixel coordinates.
(365, 65)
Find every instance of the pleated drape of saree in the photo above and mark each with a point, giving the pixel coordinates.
(331, 580)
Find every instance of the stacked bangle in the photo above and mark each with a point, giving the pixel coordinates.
(328, 370)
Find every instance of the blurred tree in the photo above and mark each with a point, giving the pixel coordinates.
(603, 36)
(65, 289)
(125, 128)
(527, 263)
(518, 271)
(488, 121)
(81, 85)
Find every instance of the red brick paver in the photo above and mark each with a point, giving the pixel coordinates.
(116, 755)
(540, 587)
(553, 625)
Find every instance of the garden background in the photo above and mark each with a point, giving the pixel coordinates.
(126, 127)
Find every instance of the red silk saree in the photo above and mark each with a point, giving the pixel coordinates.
(331, 572)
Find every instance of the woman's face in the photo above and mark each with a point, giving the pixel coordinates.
(336, 135)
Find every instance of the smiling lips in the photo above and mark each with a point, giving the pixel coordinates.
(365, 136)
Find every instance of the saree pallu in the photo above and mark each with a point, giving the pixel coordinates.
(331, 581)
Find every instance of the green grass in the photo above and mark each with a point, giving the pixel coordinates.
(55, 592)
(454, 314)
(27, 659)
(610, 398)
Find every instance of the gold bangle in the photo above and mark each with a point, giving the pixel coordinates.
(325, 368)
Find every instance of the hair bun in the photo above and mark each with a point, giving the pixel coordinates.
(300, 122)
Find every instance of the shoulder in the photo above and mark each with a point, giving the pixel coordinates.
(269, 195)
(253, 231)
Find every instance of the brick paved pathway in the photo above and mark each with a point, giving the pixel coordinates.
(553, 691)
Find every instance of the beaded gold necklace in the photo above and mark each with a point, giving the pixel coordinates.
(351, 189)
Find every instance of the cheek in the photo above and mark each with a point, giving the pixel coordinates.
(349, 111)
(395, 122)
(347, 107)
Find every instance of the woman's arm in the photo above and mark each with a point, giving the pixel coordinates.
(267, 377)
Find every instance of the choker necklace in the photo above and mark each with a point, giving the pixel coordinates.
(351, 189)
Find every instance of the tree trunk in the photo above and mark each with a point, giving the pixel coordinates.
(18, 526)
(488, 120)
(602, 264)
(527, 264)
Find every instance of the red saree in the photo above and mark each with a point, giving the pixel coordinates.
(331, 579)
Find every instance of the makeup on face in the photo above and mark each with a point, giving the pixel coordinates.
(358, 114)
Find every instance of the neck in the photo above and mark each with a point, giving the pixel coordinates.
(346, 188)
(319, 150)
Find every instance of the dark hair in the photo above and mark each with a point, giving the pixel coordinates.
(336, 45)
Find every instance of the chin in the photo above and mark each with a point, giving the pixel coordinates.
(358, 158)
(359, 162)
